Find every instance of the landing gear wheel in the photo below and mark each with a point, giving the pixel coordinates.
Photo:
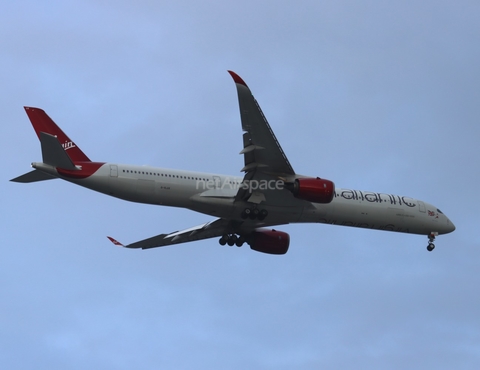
(232, 240)
(254, 214)
(430, 247)
(240, 241)
(263, 213)
(246, 213)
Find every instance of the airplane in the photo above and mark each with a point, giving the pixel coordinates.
(246, 208)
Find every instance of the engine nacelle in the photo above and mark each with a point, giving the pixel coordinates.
(314, 190)
(269, 241)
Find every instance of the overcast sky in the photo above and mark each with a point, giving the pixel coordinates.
(371, 95)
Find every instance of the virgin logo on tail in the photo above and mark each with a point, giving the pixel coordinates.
(68, 145)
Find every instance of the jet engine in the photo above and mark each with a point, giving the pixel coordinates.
(269, 241)
(314, 190)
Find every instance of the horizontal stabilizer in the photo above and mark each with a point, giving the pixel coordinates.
(54, 154)
(33, 176)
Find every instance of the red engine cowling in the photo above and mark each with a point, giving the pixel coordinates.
(269, 241)
(314, 190)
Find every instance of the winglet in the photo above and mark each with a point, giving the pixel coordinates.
(116, 242)
(237, 78)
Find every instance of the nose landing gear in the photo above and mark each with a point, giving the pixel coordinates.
(431, 239)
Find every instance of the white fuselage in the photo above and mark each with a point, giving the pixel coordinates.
(214, 195)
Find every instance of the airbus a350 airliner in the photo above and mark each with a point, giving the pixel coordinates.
(245, 207)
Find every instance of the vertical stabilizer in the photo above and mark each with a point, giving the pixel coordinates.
(41, 122)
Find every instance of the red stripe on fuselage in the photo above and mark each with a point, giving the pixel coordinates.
(87, 170)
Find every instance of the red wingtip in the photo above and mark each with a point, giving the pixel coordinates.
(33, 108)
(116, 242)
(237, 78)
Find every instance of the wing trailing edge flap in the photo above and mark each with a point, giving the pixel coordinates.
(208, 230)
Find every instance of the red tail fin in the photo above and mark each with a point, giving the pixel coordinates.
(41, 122)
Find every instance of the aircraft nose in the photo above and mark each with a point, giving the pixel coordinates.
(450, 226)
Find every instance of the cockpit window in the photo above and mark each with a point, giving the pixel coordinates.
(439, 211)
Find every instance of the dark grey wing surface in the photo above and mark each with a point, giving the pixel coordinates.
(264, 158)
(261, 149)
(211, 229)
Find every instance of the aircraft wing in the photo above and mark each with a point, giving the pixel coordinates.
(261, 149)
(264, 158)
(211, 229)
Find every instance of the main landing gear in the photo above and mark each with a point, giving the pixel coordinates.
(231, 240)
(431, 239)
(254, 214)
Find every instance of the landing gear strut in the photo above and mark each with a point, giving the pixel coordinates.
(431, 239)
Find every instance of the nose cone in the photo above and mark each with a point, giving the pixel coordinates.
(450, 226)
